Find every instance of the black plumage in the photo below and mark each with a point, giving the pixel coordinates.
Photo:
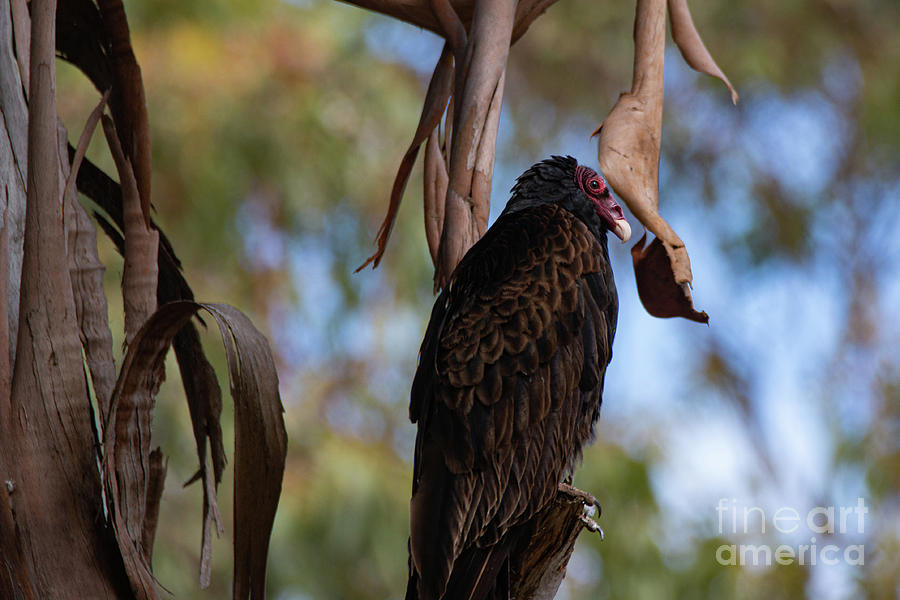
(510, 379)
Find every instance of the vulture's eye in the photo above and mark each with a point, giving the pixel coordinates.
(594, 184)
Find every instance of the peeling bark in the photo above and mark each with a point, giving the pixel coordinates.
(128, 101)
(13, 156)
(140, 273)
(479, 34)
(86, 272)
(260, 441)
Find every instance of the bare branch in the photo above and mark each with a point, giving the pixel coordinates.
(537, 567)
(452, 27)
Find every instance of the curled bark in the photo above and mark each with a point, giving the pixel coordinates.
(435, 179)
(691, 45)
(201, 388)
(86, 272)
(140, 273)
(82, 146)
(260, 443)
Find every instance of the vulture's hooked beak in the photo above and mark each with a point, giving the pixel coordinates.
(622, 229)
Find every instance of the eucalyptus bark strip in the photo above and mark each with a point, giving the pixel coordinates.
(141, 272)
(83, 143)
(128, 101)
(435, 184)
(127, 432)
(86, 273)
(691, 45)
(486, 54)
(22, 33)
(435, 103)
(453, 20)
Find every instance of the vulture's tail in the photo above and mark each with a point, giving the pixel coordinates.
(478, 574)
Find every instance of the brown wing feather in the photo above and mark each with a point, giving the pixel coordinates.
(508, 384)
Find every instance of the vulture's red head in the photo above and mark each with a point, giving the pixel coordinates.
(579, 189)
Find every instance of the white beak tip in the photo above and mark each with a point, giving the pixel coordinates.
(622, 230)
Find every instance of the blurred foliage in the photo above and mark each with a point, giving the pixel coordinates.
(277, 129)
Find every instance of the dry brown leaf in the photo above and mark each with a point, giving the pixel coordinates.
(658, 291)
(691, 45)
(260, 440)
(629, 141)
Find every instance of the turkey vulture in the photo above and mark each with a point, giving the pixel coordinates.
(510, 379)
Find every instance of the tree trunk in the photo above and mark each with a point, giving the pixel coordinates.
(52, 499)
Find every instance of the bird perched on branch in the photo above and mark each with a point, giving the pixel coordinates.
(510, 379)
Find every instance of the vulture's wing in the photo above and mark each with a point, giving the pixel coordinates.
(507, 389)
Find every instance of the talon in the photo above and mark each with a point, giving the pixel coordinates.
(592, 525)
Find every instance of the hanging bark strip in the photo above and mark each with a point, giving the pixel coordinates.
(260, 441)
(629, 150)
(140, 272)
(127, 433)
(128, 101)
(86, 272)
(435, 102)
(201, 388)
(435, 184)
(479, 92)
(479, 34)
(691, 45)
